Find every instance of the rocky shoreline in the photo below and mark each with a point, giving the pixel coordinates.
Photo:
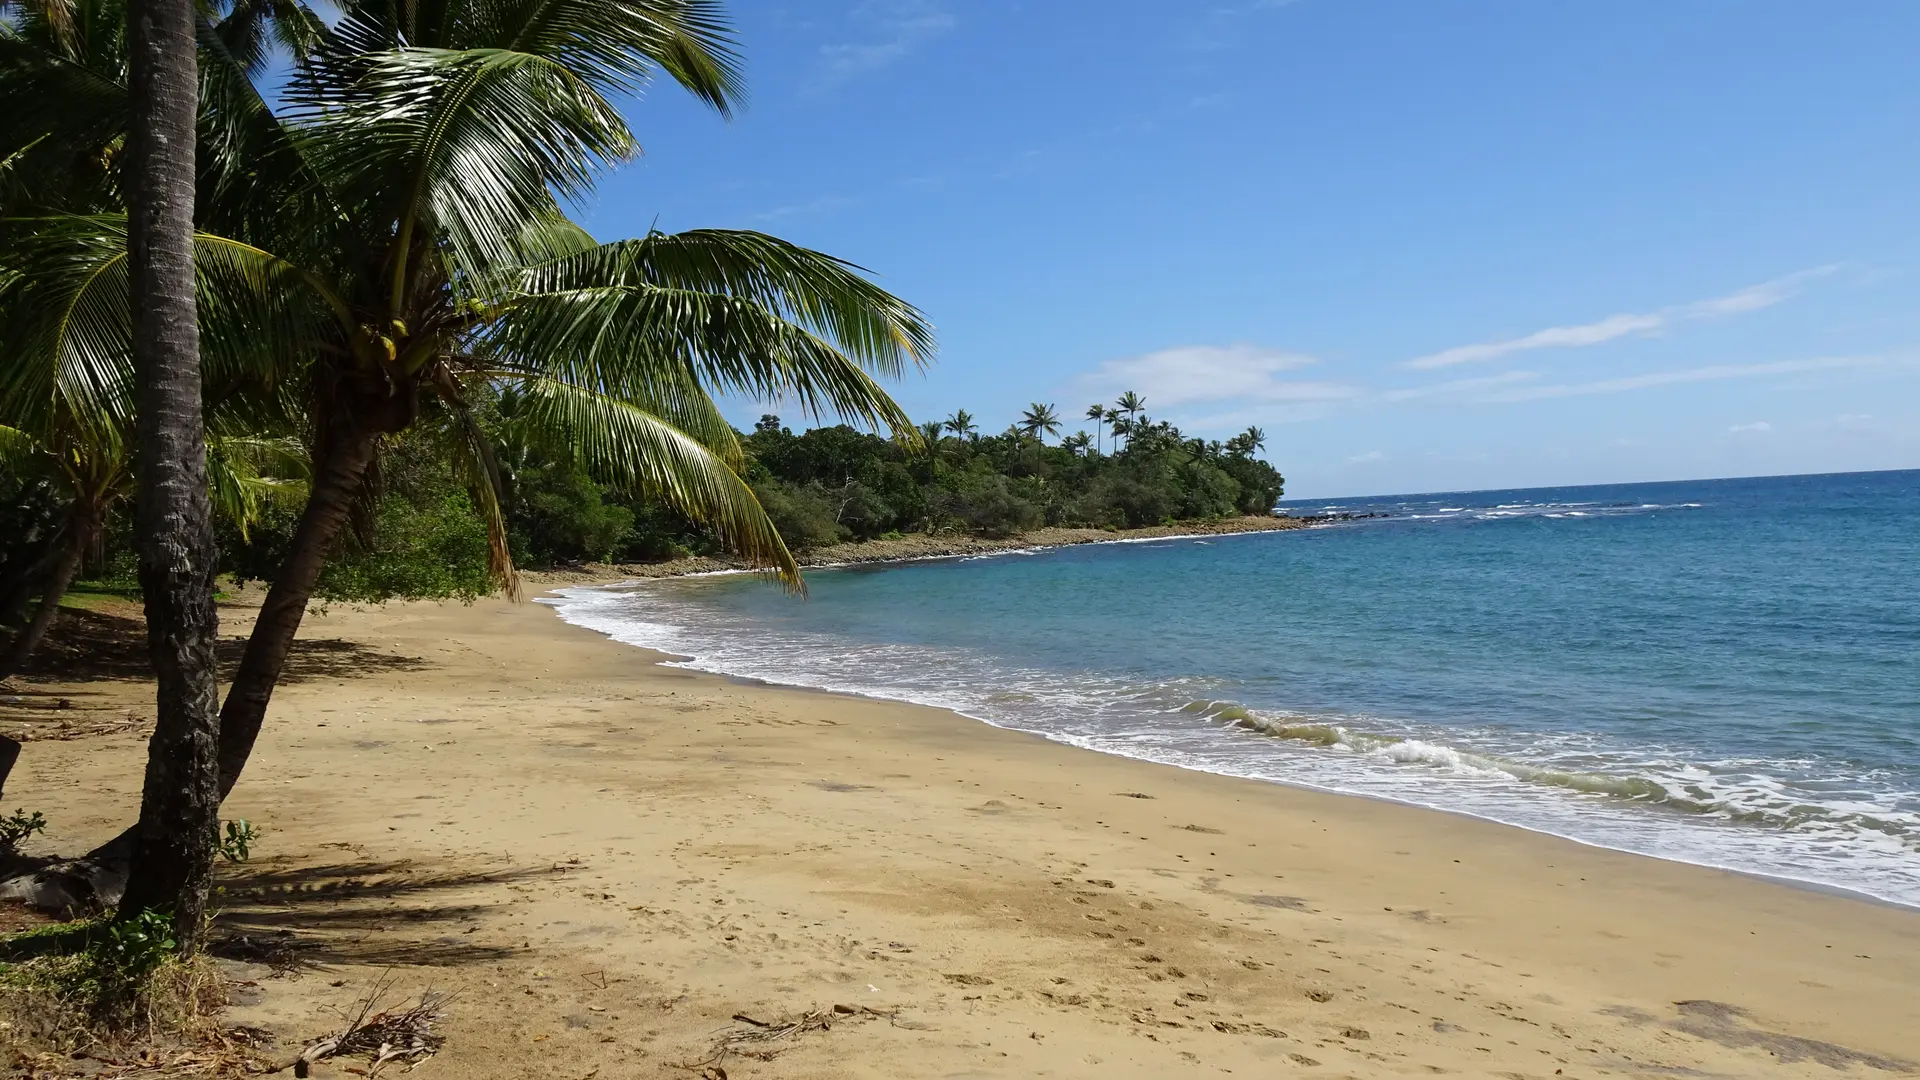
(918, 546)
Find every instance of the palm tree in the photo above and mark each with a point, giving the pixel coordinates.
(1256, 439)
(962, 424)
(930, 438)
(392, 239)
(1097, 413)
(1039, 421)
(172, 866)
(1130, 403)
(87, 463)
(1077, 443)
(1120, 425)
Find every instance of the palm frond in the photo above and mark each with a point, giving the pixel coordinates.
(633, 450)
(68, 321)
(16, 444)
(826, 295)
(246, 474)
(615, 45)
(462, 147)
(736, 312)
(68, 327)
(474, 457)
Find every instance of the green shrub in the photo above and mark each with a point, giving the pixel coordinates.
(237, 847)
(16, 828)
(804, 516)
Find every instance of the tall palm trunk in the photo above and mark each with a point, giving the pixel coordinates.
(175, 840)
(82, 527)
(339, 473)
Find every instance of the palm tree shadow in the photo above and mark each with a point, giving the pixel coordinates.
(365, 912)
(98, 645)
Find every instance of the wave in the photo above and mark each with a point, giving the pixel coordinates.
(1682, 788)
(1511, 511)
(1776, 818)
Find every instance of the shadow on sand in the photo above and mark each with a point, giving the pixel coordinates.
(363, 912)
(87, 645)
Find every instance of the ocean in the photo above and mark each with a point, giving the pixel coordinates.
(1722, 672)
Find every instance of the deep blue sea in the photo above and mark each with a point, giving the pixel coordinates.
(1724, 672)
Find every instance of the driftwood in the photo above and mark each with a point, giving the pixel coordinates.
(71, 888)
(383, 1036)
(762, 1039)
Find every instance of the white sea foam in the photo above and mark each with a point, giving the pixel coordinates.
(1831, 830)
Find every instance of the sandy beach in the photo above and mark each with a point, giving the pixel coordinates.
(613, 862)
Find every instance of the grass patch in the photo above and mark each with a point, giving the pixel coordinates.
(99, 596)
(103, 989)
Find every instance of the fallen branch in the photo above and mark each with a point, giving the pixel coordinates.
(382, 1036)
(762, 1039)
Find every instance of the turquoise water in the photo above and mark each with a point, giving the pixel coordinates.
(1724, 672)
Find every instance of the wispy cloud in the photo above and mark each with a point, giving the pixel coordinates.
(890, 31)
(1367, 458)
(1204, 374)
(1457, 387)
(1614, 327)
(1216, 26)
(1758, 427)
(820, 205)
(1682, 375)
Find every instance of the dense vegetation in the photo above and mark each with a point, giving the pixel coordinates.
(420, 533)
(821, 486)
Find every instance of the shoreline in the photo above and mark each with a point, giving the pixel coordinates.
(1549, 825)
(607, 858)
(914, 547)
(684, 662)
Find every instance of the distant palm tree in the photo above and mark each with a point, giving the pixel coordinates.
(1077, 443)
(962, 424)
(1121, 426)
(1039, 421)
(1132, 405)
(1097, 413)
(930, 435)
(1256, 439)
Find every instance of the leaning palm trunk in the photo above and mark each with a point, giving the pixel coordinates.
(82, 527)
(175, 839)
(339, 471)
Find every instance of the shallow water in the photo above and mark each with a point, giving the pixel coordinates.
(1722, 672)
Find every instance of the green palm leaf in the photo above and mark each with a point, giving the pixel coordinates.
(631, 449)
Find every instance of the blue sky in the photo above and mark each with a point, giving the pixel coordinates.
(1426, 244)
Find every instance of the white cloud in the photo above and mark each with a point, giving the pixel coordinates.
(1614, 327)
(895, 29)
(1460, 386)
(1854, 420)
(1758, 427)
(1199, 374)
(1683, 375)
(820, 205)
(1367, 458)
